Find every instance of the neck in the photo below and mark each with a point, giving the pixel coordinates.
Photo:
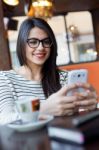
(30, 73)
(34, 73)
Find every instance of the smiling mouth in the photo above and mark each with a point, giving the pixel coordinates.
(40, 55)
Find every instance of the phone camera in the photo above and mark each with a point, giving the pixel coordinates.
(78, 75)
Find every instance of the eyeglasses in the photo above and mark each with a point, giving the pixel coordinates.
(34, 43)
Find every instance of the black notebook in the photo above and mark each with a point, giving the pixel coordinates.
(76, 129)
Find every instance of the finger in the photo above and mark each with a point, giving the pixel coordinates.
(67, 99)
(89, 108)
(82, 95)
(86, 86)
(70, 113)
(92, 107)
(87, 94)
(67, 112)
(69, 106)
(86, 102)
(64, 90)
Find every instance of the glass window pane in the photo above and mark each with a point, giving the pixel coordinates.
(58, 26)
(81, 37)
(12, 37)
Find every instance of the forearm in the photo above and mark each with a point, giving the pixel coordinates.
(8, 111)
(44, 108)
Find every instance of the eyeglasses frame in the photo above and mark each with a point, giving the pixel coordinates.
(40, 41)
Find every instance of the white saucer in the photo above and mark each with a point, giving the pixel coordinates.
(32, 125)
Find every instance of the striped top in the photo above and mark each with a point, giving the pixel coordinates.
(14, 87)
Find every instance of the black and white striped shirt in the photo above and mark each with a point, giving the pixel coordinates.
(14, 87)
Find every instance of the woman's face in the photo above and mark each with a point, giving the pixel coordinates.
(37, 52)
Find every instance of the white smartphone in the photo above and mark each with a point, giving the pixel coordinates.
(77, 76)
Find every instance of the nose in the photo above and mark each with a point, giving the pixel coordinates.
(40, 47)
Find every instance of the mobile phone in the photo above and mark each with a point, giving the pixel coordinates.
(77, 76)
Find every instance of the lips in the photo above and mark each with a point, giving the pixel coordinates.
(40, 55)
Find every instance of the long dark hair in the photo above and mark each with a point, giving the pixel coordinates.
(50, 80)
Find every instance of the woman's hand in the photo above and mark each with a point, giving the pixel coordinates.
(86, 100)
(58, 104)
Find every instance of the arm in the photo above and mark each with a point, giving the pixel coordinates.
(8, 111)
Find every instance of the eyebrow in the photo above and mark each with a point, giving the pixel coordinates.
(38, 39)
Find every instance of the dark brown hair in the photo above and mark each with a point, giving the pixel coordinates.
(50, 80)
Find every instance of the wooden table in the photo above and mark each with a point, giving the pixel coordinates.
(39, 140)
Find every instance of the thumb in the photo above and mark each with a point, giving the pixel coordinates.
(65, 89)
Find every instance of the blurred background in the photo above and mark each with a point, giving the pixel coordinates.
(75, 24)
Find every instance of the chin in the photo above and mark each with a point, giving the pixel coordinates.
(39, 63)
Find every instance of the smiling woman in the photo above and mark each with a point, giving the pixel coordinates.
(39, 76)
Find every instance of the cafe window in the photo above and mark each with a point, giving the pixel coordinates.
(58, 26)
(74, 35)
(81, 37)
(12, 37)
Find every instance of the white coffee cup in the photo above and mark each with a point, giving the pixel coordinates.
(28, 108)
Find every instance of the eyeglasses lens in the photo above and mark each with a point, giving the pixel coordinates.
(34, 43)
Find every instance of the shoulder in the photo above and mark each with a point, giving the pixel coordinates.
(6, 73)
(7, 76)
(63, 74)
(4, 79)
(3, 74)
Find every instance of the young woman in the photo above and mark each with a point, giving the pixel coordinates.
(39, 76)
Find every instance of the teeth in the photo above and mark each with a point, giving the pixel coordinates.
(40, 55)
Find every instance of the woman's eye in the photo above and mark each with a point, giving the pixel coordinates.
(33, 42)
(47, 41)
